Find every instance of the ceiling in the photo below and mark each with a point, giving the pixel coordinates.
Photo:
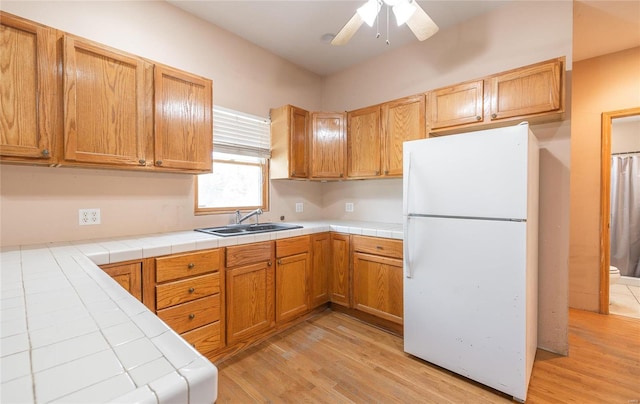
(293, 29)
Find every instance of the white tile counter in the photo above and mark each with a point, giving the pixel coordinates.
(69, 333)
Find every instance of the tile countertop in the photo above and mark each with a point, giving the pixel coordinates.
(70, 333)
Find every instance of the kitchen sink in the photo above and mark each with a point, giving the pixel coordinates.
(242, 229)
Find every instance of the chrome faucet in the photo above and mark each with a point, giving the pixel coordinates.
(255, 213)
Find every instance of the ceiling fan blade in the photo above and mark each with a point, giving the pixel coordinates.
(421, 24)
(348, 30)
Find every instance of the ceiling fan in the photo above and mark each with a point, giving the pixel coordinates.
(406, 11)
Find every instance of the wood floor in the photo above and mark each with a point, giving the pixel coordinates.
(333, 358)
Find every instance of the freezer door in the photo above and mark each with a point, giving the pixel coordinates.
(477, 174)
(465, 299)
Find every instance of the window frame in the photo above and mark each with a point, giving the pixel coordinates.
(198, 211)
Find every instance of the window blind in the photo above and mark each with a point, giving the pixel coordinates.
(239, 133)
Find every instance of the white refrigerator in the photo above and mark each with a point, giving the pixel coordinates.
(470, 205)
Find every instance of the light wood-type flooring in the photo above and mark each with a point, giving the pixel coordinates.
(333, 358)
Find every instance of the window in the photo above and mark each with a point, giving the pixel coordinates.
(240, 164)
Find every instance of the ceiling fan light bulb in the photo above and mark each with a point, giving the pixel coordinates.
(369, 11)
(403, 11)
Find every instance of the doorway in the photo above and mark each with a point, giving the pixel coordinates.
(605, 202)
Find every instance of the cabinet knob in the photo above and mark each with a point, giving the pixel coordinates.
(279, 262)
(386, 172)
(158, 162)
(142, 162)
(192, 316)
(45, 153)
(478, 118)
(191, 290)
(191, 265)
(494, 116)
(269, 263)
(341, 175)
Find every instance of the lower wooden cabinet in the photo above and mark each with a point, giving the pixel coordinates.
(190, 297)
(293, 269)
(339, 285)
(377, 277)
(128, 275)
(250, 290)
(320, 268)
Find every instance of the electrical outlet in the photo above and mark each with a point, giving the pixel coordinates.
(88, 217)
(299, 207)
(348, 207)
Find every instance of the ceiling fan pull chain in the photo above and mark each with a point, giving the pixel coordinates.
(378, 25)
(388, 25)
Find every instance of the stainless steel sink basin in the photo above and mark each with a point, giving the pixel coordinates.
(242, 229)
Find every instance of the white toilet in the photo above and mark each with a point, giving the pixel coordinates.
(614, 275)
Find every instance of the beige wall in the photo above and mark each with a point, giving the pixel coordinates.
(41, 204)
(625, 135)
(606, 83)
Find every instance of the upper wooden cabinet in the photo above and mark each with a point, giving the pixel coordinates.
(402, 120)
(29, 107)
(533, 93)
(100, 111)
(456, 105)
(183, 136)
(289, 142)
(107, 95)
(527, 91)
(364, 142)
(328, 145)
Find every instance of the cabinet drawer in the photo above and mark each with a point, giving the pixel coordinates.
(205, 339)
(292, 246)
(187, 290)
(249, 254)
(378, 246)
(182, 265)
(188, 316)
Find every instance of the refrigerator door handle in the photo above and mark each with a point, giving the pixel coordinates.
(407, 260)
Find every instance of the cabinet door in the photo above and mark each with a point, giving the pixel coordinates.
(299, 144)
(363, 142)
(107, 97)
(339, 276)
(183, 136)
(129, 276)
(377, 286)
(328, 149)
(402, 120)
(250, 301)
(529, 90)
(320, 267)
(292, 274)
(456, 105)
(28, 90)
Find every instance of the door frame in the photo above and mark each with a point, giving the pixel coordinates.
(605, 201)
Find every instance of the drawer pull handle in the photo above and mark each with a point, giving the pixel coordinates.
(191, 290)
(191, 265)
(192, 316)
(269, 263)
(379, 247)
(279, 262)
(494, 116)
